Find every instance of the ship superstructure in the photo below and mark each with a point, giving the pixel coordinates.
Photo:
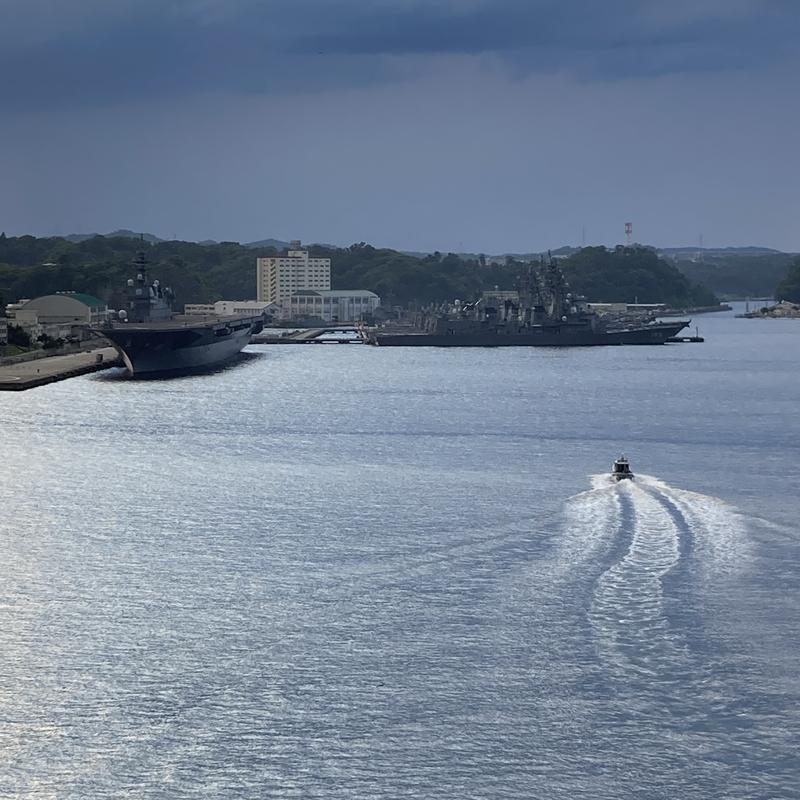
(542, 313)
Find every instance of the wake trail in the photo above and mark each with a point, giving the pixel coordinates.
(591, 524)
(631, 628)
(590, 520)
(719, 531)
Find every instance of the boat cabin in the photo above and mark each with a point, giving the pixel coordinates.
(621, 469)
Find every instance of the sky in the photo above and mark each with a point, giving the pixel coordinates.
(454, 125)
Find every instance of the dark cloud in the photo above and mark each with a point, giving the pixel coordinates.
(103, 52)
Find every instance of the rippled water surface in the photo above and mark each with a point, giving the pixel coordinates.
(349, 572)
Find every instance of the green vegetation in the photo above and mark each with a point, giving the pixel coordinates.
(12, 350)
(30, 267)
(99, 265)
(624, 274)
(18, 337)
(631, 274)
(738, 276)
(789, 287)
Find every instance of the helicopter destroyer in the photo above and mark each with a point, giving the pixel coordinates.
(152, 339)
(546, 314)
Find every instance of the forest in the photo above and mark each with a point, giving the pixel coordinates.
(789, 287)
(737, 277)
(204, 273)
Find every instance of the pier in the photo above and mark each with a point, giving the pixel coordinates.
(35, 372)
(333, 335)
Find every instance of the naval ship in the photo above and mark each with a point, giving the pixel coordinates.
(544, 314)
(152, 339)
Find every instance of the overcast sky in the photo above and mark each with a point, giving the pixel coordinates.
(479, 125)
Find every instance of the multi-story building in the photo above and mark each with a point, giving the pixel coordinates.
(279, 277)
(347, 305)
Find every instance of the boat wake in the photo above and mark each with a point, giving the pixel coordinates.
(658, 546)
(631, 627)
(718, 531)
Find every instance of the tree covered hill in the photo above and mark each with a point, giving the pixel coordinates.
(199, 273)
(101, 265)
(789, 287)
(632, 274)
(739, 276)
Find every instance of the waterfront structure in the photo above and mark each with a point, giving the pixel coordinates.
(278, 277)
(783, 309)
(59, 316)
(3, 330)
(345, 305)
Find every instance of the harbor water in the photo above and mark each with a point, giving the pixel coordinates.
(357, 572)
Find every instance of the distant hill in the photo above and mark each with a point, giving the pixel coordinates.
(278, 244)
(739, 275)
(703, 252)
(203, 273)
(121, 233)
(675, 253)
(124, 233)
(789, 287)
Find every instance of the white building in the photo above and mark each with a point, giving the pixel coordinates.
(227, 308)
(348, 305)
(199, 309)
(278, 277)
(3, 330)
(58, 315)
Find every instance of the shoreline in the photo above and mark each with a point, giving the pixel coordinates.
(32, 373)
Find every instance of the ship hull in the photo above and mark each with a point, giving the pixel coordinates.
(535, 337)
(160, 350)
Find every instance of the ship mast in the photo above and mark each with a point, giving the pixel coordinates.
(138, 289)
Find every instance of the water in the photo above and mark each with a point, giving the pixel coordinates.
(349, 572)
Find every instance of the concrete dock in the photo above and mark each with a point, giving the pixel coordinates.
(38, 372)
(333, 335)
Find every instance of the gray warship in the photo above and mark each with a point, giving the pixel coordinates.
(543, 313)
(152, 340)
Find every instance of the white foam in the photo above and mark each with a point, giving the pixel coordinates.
(631, 629)
(719, 531)
(591, 521)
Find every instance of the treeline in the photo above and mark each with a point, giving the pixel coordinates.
(739, 276)
(632, 274)
(789, 287)
(30, 267)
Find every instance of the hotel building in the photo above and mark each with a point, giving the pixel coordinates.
(279, 277)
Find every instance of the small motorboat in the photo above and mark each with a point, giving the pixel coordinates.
(621, 469)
